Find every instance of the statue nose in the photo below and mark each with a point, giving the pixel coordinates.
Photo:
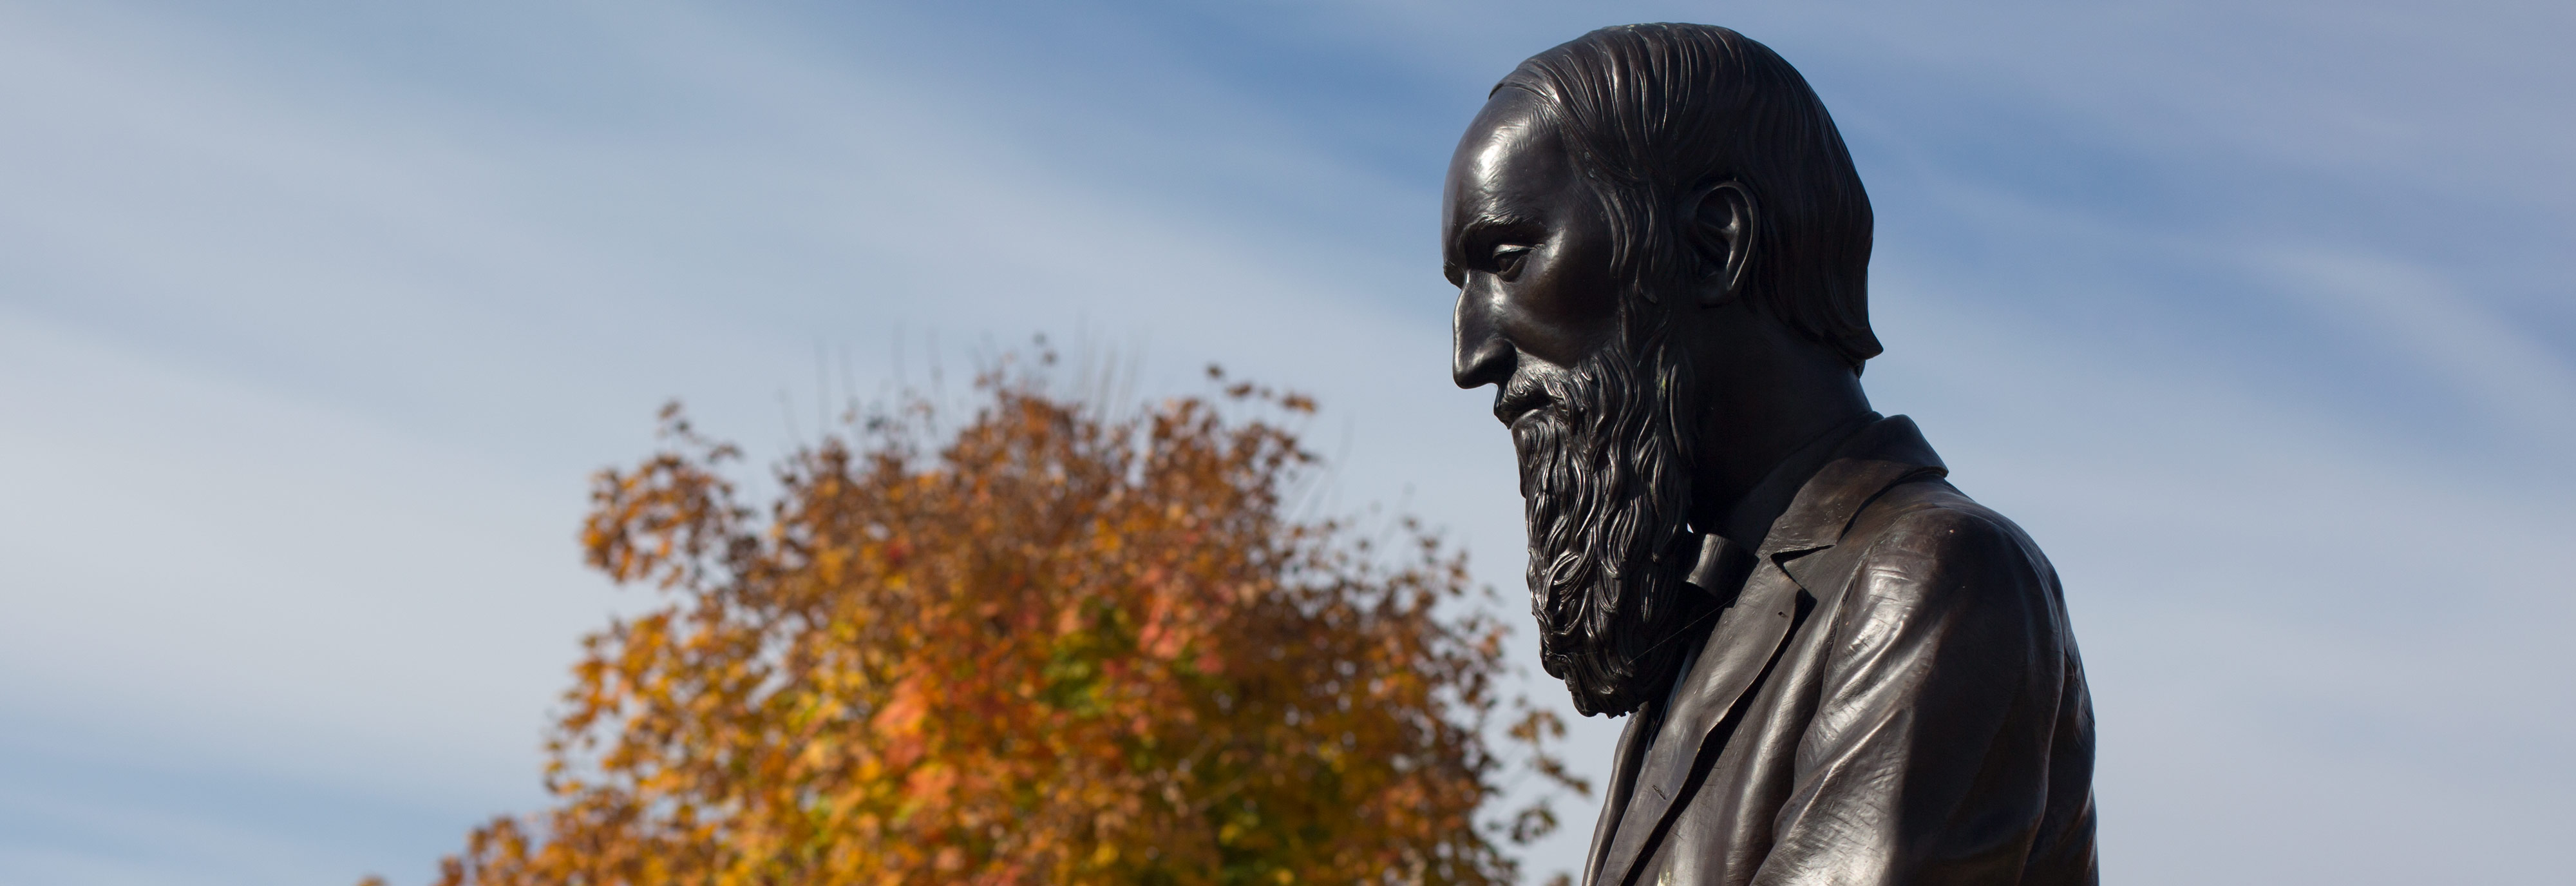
(1478, 354)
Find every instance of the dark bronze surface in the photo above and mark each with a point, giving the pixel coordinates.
(1841, 669)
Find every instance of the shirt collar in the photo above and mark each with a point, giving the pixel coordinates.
(1748, 522)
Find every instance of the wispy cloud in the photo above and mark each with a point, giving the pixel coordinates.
(2413, 314)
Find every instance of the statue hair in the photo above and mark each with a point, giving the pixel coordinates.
(1652, 112)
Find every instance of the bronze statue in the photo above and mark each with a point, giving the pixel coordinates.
(1841, 669)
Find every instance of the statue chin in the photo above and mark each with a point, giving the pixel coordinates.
(1605, 483)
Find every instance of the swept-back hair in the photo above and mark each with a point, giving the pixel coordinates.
(1653, 112)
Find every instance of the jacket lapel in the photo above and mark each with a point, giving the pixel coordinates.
(1738, 650)
(1623, 782)
(1749, 635)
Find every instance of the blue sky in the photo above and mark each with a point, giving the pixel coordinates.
(314, 318)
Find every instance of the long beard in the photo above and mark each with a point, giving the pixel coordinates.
(1605, 482)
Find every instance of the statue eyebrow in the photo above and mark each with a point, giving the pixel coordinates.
(1496, 221)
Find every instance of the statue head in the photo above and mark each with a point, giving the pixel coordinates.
(1661, 249)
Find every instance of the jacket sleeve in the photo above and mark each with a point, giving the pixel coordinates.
(1928, 759)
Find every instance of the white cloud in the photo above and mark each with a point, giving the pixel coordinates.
(2411, 312)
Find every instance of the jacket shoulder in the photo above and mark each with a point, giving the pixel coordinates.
(1924, 543)
(1930, 515)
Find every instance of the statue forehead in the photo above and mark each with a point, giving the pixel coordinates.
(1512, 152)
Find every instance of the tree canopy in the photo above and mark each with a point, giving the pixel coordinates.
(1045, 644)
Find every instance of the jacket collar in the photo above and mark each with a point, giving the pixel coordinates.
(1875, 457)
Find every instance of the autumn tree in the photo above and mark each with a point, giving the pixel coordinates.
(1047, 646)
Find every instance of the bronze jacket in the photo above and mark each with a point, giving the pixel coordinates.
(1893, 697)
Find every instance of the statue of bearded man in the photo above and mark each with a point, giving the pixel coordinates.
(1836, 667)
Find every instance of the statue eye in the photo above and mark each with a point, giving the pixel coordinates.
(1508, 259)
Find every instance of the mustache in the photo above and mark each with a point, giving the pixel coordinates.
(1520, 395)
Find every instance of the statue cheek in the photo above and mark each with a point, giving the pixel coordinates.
(1573, 291)
(1561, 337)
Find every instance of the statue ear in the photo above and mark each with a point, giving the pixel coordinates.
(1719, 221)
